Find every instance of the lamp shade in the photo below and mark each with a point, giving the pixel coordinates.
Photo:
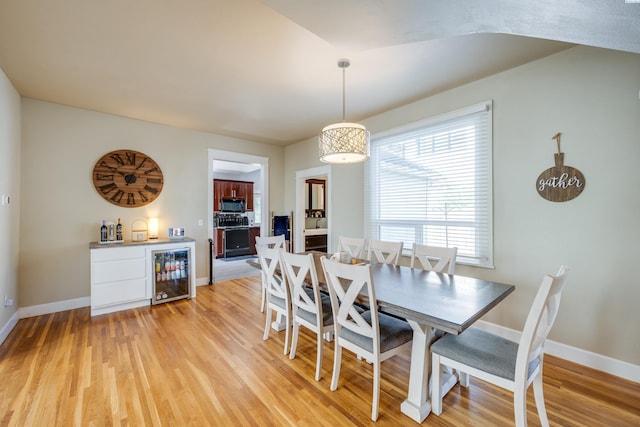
(153, 228)
(344, 143)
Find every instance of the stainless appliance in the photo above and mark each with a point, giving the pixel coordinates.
(236, 233)
(227, 220)
(233, 204)
(236, 241)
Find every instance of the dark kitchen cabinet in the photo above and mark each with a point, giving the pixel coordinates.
(219, 243)
(316, 243)
(228, 188)
(253, 233)
(218, 193)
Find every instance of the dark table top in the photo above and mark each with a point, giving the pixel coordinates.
(450, 303)
(447, 302)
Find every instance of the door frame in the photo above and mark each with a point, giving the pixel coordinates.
(299, 222)
(231, 156)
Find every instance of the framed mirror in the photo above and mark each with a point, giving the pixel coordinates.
(315, 197)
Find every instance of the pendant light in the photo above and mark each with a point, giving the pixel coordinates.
(344, 142)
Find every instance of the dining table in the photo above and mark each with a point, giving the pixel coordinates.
(430, 302)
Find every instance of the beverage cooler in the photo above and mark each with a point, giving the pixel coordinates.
(172, 279)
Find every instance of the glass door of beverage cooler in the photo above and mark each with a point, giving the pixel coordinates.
(171, 279)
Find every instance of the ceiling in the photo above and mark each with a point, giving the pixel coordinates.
(267, 70)
(234, 168)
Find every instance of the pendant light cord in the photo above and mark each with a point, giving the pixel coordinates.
(344, 96)
(344, 63)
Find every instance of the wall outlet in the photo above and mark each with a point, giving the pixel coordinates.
(8, 302)
(200, 222)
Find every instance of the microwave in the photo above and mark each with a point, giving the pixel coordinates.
(233, 204)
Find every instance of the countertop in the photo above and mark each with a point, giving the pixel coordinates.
(236, 227)
(315, 231)
(127, 243)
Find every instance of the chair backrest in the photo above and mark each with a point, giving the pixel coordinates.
(354, 246)
(270, 241)
(434, 258)
(299, 269)
(271, 265)
(385, 252)
(344, 297)
(541, 316)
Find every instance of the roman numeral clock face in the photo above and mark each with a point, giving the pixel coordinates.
(127, 178)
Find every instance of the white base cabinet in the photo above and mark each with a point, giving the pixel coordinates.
(123, 274)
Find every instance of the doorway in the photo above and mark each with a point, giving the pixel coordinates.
(324, 173)
(241, 167)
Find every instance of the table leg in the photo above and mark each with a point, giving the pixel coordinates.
(279, 324)
(417, 405)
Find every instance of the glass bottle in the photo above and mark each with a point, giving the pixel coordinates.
(103, 231)
(119, 230)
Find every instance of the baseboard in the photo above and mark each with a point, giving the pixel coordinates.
(8, 327)
(54, 307)
(606, 364)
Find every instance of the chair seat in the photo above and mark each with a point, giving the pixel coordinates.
(482, 350)
(327, 316)
(280, 302)
(393, 333)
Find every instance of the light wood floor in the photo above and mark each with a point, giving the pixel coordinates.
(203, 362)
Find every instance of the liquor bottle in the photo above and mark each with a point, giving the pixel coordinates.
(119, 230)
(103, 231)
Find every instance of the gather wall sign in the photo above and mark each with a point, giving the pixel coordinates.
(560, 183)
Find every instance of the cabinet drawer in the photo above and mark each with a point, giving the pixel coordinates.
(318, 243)
(118, 292)
(113, 271)
(112, 254)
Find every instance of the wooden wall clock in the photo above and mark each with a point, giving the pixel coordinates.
(127, 178)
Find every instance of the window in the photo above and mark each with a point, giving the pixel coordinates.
(430, 183)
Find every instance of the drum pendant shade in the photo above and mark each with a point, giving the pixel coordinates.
(344, 142)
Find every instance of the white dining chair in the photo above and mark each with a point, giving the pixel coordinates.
(311, 308)
(434, 258)
(269, 242)
(369, 334)
(511, 365)
(385, 252)
(354, 246)
(278, 298)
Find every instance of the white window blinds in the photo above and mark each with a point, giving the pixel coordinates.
(430, 183)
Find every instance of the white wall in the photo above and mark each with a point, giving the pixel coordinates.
(591, 96)
(61, 210)
(9, 213)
